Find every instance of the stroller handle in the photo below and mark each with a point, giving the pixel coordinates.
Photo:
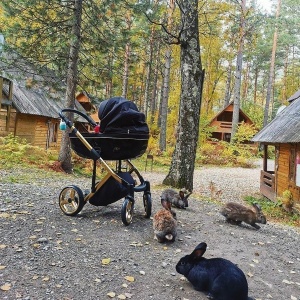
(69, 123)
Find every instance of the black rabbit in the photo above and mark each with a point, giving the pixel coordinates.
(222, 279)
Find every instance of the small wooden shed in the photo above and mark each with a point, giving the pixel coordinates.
(30, 113)
(283, 132)
(222, 123)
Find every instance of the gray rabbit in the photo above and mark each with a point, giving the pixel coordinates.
(165, 224)
(177, 199)
(219, 277)
(236, 213)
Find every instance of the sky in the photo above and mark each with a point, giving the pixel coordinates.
(265, 4)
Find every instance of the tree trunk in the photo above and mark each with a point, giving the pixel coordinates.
(165, 87)
(164, 102)
(148, 74)
(228, 86)
(238, 75)
(272, 68)
(181, 171)
(65, 148)
(126, 71)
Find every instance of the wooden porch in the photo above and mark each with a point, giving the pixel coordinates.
(267, 184)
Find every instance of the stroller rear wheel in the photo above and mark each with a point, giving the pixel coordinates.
(127, 211)
(71, 200)
(147, 204)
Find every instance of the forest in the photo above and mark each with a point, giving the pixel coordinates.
(131, 49)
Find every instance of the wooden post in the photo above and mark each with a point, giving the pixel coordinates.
(265, 161)
(149, 156)
(1, 90)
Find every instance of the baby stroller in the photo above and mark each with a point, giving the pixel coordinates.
(121, 136)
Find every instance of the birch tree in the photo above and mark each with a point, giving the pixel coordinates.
(181, 171)
(238, 73)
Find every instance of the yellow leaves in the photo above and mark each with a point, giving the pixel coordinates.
(2, 246)
(6, 287)
(129, 278)
(105, 261)
(4, 215)
(121, 296)
(2, 267)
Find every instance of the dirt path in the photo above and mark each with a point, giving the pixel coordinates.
(47, 255)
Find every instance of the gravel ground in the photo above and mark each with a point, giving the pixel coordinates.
(47, 255)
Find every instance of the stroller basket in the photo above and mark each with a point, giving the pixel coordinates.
(111, 146)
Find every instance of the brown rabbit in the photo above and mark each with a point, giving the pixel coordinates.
(177, 199)
(165, 224)
(236, 213)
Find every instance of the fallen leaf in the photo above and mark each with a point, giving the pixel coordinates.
(255, 260)
(5, 287)
(124, 285)
(293, 298)
(105, 261)
(129, 278)
(2, 246)
(35, 277)
(111, 294)
(121, 296)
(4, 215)
(47, 278)
(250, 274)
(2, 267)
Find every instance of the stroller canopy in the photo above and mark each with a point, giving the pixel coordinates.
(119, 115)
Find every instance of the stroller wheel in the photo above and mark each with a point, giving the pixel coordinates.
(71, 200)
(127, 211)
(147, 204)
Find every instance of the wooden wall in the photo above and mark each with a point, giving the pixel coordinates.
(3, 118)
(285, 173)
(35, 129)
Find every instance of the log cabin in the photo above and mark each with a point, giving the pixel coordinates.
(31, 113)
(282, 133)
(222, 123)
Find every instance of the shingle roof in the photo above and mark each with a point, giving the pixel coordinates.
(284, 128)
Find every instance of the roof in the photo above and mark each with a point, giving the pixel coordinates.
(225, 108)
(38, 102)
(45, 97)
(294, 96)
(284, 128)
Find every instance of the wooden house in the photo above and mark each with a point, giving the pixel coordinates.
(222, 123)
(89, 104)
(31, 113)
(283, 133)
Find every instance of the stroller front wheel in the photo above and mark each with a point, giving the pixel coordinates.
(71, 200)
(127, 211)
(147, 204)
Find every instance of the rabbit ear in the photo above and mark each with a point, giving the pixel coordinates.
(199, 251)
(166, 204)
(257, 207)
(187, 195)
(181, 194)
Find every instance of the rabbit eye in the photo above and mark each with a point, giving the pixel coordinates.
(182, 263)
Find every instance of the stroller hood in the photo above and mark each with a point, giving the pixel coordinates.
(119, 115)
